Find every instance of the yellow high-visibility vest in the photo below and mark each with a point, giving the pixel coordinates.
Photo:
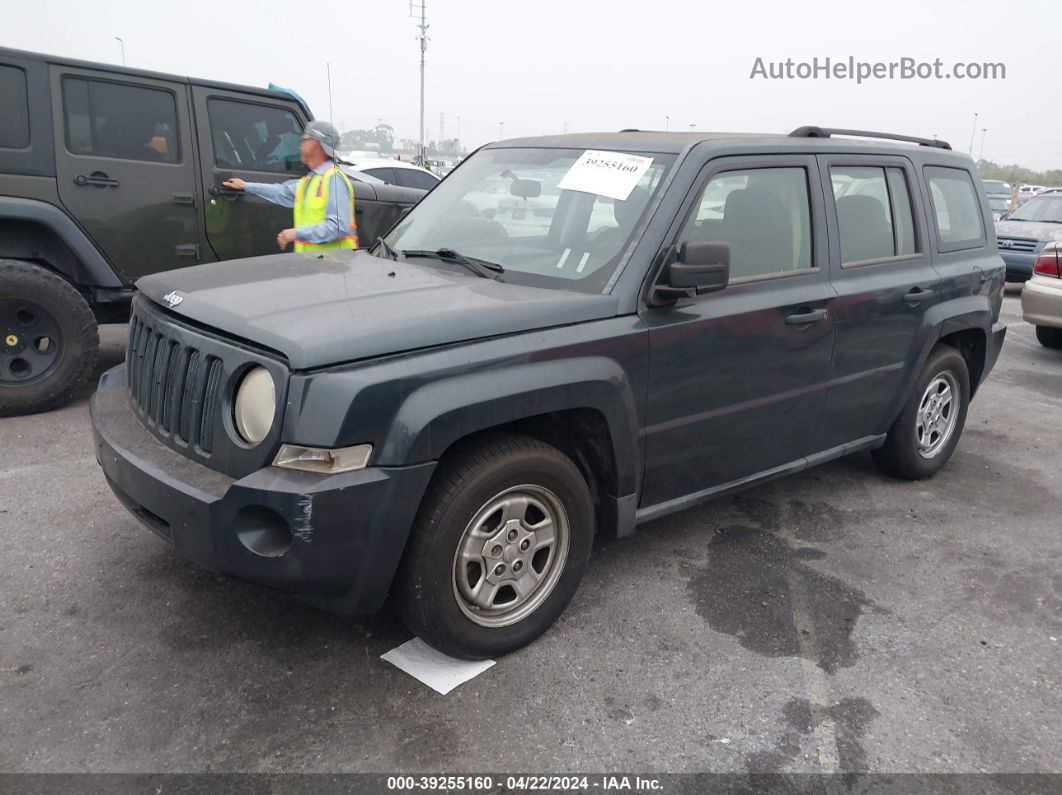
(311, 207)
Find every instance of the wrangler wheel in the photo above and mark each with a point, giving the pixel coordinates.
(48, 339)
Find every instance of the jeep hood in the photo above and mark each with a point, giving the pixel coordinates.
(1032, 229)
(349, 306)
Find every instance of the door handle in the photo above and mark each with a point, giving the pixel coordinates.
(97, 179)
(804, 318)
(228, 193)
(917, 295)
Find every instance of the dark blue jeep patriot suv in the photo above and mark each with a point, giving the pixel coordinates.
(569, 335)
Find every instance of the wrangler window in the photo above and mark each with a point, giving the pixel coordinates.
(246, 135)
(14, 121)
(119, 120)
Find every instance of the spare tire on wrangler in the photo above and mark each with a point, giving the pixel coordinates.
(48, 339)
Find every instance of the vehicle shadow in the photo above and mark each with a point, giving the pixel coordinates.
(113, 338)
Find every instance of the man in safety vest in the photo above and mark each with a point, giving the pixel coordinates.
(323, 199)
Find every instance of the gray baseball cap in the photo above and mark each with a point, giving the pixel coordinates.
(326, 134)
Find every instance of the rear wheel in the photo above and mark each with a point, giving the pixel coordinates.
(1049, 337)
(48, 339)
(498, 548)
(925, 434)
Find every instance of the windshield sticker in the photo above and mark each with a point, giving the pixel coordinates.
(610, 174)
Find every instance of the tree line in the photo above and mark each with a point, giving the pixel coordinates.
(1019, 174)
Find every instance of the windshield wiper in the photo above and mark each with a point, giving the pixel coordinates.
(480, 267)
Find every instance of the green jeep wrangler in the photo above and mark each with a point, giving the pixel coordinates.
(108, 174)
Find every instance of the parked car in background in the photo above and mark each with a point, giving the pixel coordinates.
(1041, 300)
(396, 172)
(449, 419)
(1026, 192)
(108, 174)
(999, 193)
(1022, 235)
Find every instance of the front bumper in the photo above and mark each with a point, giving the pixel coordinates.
(1019, 264)
(1041, 301)
(333, 540)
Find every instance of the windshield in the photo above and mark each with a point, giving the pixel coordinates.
(995, 186)
(1039, 208)
(506, 206)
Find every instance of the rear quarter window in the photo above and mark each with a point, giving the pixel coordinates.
(14, 119)
(410, 178)
(956, 210)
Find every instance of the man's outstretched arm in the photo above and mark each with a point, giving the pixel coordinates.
(282, 193)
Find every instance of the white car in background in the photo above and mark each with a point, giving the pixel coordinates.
(394, 172)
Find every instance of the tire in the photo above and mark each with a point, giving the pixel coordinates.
(1049, 337)
(911, 453)
(48, 339)
(474, 491)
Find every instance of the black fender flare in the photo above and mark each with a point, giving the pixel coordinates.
(960, 314)
(439, 413)
(59, 223)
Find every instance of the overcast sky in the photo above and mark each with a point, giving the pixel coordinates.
(547, 65)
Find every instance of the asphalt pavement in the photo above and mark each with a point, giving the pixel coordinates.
(837, 620)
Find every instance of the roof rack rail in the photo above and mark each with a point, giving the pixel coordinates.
(630, 129)
(826, 132)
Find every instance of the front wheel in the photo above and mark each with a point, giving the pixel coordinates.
(48, 339)
(925, 434)
(498, 549)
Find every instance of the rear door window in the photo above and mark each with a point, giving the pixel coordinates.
(411, 178)
(956, 209)
(118, 120)
(246, 135)
(874, 216)
(14, 120)
(386, 174)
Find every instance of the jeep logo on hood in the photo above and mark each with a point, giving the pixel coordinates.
(172, 299)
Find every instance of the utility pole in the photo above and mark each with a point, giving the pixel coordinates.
(973, 132)
(667, 124)
(421, 6)
(501, 130)
(123, 48)
(442, 128)
(984, 131)
(458, 135)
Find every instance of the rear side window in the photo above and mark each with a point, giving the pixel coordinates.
(14, 120)
(955, 208)
(874, 217)
(246, 135)
(118, 120)
(386, 174)
(762, 214)
(411, 178)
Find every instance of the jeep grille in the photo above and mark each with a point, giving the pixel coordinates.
(173, 387)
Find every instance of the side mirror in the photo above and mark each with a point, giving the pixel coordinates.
(699, 268)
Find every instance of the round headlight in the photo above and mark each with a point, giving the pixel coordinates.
(256, 404)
